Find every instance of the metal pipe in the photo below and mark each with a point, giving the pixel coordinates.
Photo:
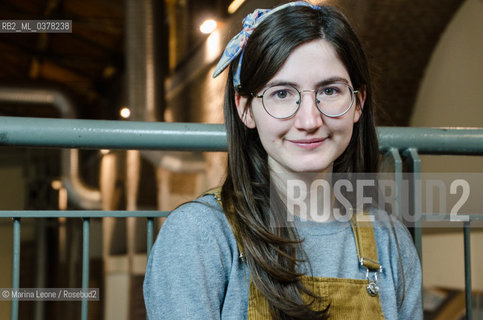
(105, 134)
(79, 192)
(46, 96)
(141, 62)
(93, 214)
(432, 140)
(66, 133)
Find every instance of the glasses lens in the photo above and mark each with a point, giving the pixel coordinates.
(334, 99)
(281, 101)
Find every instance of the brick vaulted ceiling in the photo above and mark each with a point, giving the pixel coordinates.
(399, 36)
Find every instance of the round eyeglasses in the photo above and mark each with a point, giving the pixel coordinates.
(282, 101)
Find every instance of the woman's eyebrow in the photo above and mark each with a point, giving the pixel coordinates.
(318, 84)
(279, 82)
(332, 80)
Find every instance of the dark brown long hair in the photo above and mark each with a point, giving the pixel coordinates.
(273, 252)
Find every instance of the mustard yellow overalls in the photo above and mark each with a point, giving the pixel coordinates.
(349, 299)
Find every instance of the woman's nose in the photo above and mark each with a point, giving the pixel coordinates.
(308, 116)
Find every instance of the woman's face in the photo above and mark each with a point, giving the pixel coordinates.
(308, 141)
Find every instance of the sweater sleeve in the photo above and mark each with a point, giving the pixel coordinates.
(411, 298)
(189, 265)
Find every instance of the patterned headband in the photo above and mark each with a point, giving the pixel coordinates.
(236, 46)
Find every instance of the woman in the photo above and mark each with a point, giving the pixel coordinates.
(298, 107)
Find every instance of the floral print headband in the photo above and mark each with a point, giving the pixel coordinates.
(236, 46)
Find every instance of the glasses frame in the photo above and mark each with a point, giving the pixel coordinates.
(352, 91)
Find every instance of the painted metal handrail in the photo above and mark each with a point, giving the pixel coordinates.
(82, 214)
(112, 134)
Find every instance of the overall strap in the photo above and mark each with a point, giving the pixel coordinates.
(230, 216)
(365, 241)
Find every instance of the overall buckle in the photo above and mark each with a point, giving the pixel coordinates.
(372, 288)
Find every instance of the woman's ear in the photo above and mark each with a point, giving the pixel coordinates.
(360, 100)
(244, 111)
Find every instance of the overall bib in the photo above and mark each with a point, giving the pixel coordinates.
(349, 299)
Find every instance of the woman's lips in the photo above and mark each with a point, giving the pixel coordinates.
(308, 143)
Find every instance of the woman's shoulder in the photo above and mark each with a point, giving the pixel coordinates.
(202, 220)
(204, 209)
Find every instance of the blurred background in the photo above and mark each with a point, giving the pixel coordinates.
(147, 60)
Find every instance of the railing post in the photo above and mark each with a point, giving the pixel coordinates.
(16, 266)
(149, 235)
(467, 244)
(415, 168)
(85, 266)
(394, 154)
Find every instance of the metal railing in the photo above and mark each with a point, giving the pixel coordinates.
(397, 143)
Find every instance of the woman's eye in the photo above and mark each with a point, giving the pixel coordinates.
(281, 94)
(329, 91)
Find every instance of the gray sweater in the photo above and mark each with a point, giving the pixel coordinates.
(194, 270)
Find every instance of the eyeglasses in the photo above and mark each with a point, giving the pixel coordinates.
(283, 101)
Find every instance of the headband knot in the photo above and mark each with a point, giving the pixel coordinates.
(237, 45)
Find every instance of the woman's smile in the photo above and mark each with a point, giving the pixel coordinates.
(309, 144)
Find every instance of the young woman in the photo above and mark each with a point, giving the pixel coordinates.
(298, 107)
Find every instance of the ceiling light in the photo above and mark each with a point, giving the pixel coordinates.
(234, 5)
(56, 184)
(208, 26)
(125, 113)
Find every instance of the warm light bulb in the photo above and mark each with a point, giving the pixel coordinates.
(125, 113)
(56, 184)
(234, 5)
(208, 26)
